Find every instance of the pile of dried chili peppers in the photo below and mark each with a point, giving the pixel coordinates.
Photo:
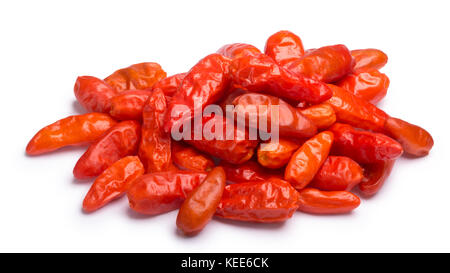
(333, 138)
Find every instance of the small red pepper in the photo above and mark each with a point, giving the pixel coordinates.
(366, 59)
(249, 171)
(284, 47)
(375, 175)
(327, 202)
(189, 158)
(322, 115)
(129, 104)
(238, 50)
(276, 154)
(94, 94)
(169, 85)
(371, 85)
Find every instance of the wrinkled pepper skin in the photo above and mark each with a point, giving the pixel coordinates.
(367, 59)
(232, 95)
(249, 171)
(259, 73)
(375, 175)
(415, 140)
(113, 183)
(275, 155)
(307, 160)
(204, 84)
(201, 204)
(93, 94)
(291, 121)
(327, 202)
(137, 76)
(274, 200)
(154, 148)
(369, 85)
(327, 64)
(158, 193)
(234, 149)
(71, 131)
(338, 173)
(129, 104)
(364, 146)
(169, 85)
(189, 158)
(356, 111)
(238, 50)
(284, 47)
(322, 115)
(119, 141)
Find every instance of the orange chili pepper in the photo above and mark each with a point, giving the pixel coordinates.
(284, 47)
(129, 104)
(322, 115)
(238, 50)
(190, 159)
(370, 58)
(274, 155)
(327, 202)
(370, 85)
(375, 175)
(137, 76)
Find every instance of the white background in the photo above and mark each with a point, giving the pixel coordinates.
(45, 45)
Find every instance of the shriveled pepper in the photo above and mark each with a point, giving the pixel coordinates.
(322, 115)
(201, 204)
(94, 94)
(157, 193)
(137, 76)
(284, 47)
(189, 158)
(307, 160)
(367, 59)
(238, 50)
(169, 85)
(113, 182)
(370, 85)
(327, 202)
(338, 173)
(249, 171)
(375, 175)
(268, 201)
(129, 104)
(119, 141)
(364, 146)
(276, 154)
(71, 131)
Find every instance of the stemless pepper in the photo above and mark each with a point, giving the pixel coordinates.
(137, 76)
(327, 202)
(284, 47)
(365, 59)
(190, 159)
(370, 85)
(238, 50)
(291, 122)
(71, 131)
(154, 148)
(119, 141)
(169, 85)
(322, 115)
(338, 173)
(201, 204)
(249, 171)
(232, 94)
(364, 146)
(113, 182)
(307, 160)
(129, 104)
(374, 176)
(93, 94)
(276, 154)
(327, 64)
(157, 193)
(260, 73)
(273, 200)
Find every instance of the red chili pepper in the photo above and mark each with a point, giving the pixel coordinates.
(249, 171)
(374, 176)
(129, 104)
(238, 50)
(273, 200)
(119, 141)
(201, 204)
(284, 47)
(93, 94)
(307, 160)
(169, 85)
(276, 154)
(366, 59)
(158, 193)
(232, 94)
(71, 131)
(327, 202)
(190, 159)
(338, 173)
(322, 115)
(113, 182)
(369, 85)
(137, 76)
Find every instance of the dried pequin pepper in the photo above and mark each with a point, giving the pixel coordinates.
(113, 182)
(129, 104)
(374, 176)
(284, 47)
(338, 173)
(276, 154)
(249, 171)
(268, 201)
(154, 148)
(371, 85)
(367, 59)
(322, 115)
(169, 85)
(119, 141)
(364, 146)
(190, 159)
(327, 202)
(238, 50)
(162, 192)
(307, 160)
(137, 76)
(94, 94)
(201, 204)
(71, 131)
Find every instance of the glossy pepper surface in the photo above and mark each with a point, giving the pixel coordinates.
(137, 76)
(189, 158)
(201, 204)
(327, 202)
(322, 115)
(157, 193)
(71, 131)
(371, 85)
(366, 59)
(284, 47)
(249, 171)
(129, 104)
(119, 141)
(94, 94)
(238, 50)
(276, 154)
(375, 175)
(113, 182)
(169, 85)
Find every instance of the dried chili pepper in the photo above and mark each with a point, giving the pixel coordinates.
(119, 141)
(322, 115)
(284, 47)
(369, 85)
(201, 204)
(273, 200)
(276, 154)
(137, 76)
(113, 182)
(129, 104)
(375, 175)
(169, 85)
(190, 159)
(238, 50)
(249, 171)
(71, 131)
(327, 202)
(365, 59)
(93, 94)
(157, 193)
